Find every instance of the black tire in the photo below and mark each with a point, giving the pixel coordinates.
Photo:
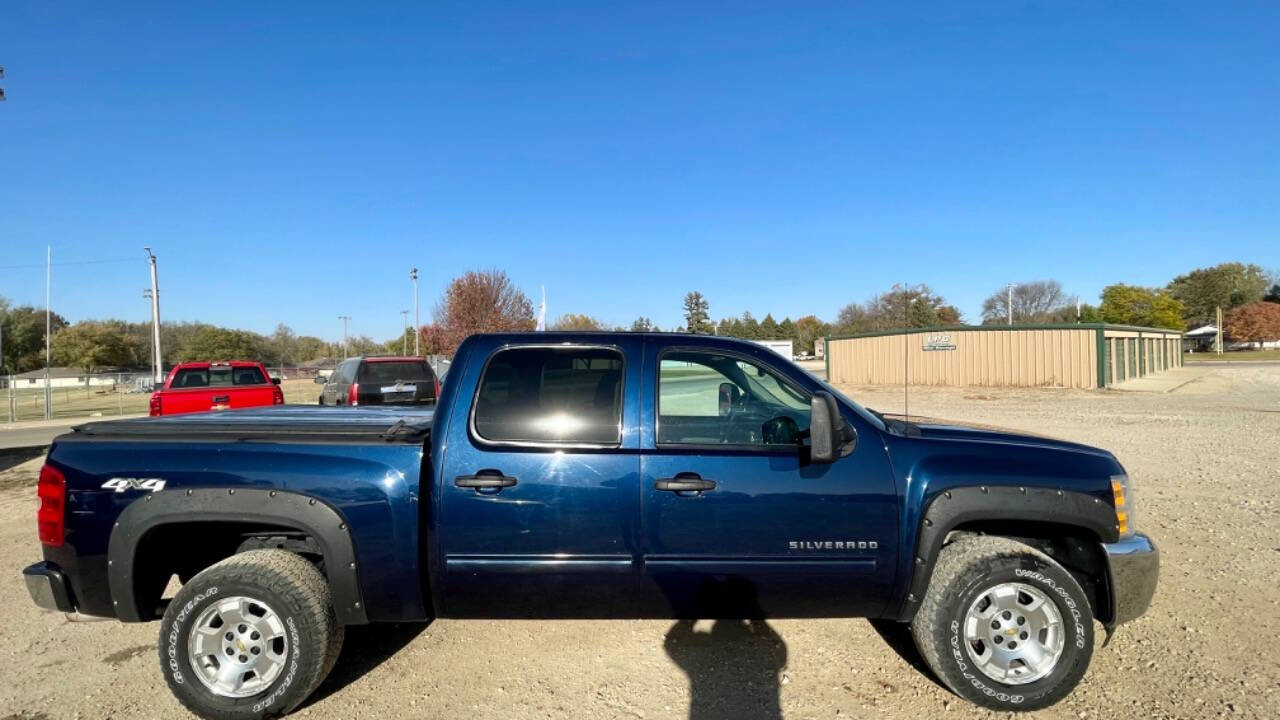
(299, 595)
(968, 568)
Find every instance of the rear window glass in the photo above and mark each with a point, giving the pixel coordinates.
(551, 395)
(387, 371)
(218, 377)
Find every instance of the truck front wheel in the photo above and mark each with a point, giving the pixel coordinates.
(1003, 625)
(249, 637)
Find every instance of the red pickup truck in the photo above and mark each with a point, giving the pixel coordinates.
(202, 386)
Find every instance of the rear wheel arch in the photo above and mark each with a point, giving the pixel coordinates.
(183, 531)
(1064, 524)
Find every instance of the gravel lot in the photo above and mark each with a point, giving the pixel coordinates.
(1206, 459)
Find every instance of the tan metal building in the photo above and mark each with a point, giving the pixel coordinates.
(1072, 356)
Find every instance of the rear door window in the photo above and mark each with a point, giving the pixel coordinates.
(389, 371)
(557, 396)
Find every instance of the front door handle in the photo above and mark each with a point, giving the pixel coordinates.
(684, 482)
(485, 480)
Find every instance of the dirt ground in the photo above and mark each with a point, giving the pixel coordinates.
(1206, 460)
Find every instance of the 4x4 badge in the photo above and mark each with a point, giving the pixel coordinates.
(122, 484)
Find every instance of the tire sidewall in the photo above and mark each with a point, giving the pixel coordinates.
(1077, 624)
(289, 689)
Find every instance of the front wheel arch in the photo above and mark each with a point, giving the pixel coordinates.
(1003, 510)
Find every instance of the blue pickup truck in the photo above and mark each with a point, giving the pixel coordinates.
(589, 475)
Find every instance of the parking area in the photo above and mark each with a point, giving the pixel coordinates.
(1206, 461)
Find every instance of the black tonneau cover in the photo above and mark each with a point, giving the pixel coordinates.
(282, 423)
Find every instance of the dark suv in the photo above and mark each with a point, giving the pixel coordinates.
(381, 381)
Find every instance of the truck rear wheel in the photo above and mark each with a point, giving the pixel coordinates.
(1003, 625)
(249, 637)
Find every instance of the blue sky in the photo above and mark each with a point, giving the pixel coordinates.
(290, 162)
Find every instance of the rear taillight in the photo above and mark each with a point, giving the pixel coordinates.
(437, 388)
(51, 517)
(277, 397)
(353, 397)
(155, 404)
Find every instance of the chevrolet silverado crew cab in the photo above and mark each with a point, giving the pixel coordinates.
(589, 475)
(194, 387)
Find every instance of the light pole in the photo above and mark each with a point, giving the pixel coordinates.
(1009, 300)
(157, 359)
(344, 319)
(48, 328)
(404, 338)
(413, 275)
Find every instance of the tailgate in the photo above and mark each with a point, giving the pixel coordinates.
(175, 402)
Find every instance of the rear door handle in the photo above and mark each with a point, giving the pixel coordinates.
(684, 482)
(485, 480)
(221, 398)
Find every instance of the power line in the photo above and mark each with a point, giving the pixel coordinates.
(69, 262)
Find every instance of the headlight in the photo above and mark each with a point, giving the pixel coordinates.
(1123, 490)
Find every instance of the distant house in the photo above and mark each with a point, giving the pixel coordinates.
(62, 377)
(1203, 339)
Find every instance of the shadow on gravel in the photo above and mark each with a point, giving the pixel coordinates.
(12, 457)
(734, 668)
(364, 648)
(898, 637)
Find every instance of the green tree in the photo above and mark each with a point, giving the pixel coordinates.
(576, 321)
(1273, 295)
(903, 306)
(1228, 285)
(1146, 307)
(214, 344)
(642, 324)
(787, 330)
(24, 337)
(91, 346)
(768, 327)
(748, 328)
(697, 313)
(283, 345)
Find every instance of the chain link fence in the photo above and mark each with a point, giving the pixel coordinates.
(97, 395)
(22, 397)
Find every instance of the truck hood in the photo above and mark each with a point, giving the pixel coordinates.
(962, 431)
(275, 422)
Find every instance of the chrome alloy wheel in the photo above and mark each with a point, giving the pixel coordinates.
(1013, 633)
(237, 647)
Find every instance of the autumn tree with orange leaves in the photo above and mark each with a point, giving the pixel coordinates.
(476, 302)
(1255, 322)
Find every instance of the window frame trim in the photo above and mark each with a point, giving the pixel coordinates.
(476, 438)
(739, 448)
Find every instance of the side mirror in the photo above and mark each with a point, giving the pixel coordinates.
(275, 381)
(830, 436)
(728, 397)
(319, 380)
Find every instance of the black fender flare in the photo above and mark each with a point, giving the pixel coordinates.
(955, 506)
(274, 507)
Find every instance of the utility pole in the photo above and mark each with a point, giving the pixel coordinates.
(48, 327)
(404, 339)
(344, 319)
(157, 359)
(1009, 300)
(413, 275)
